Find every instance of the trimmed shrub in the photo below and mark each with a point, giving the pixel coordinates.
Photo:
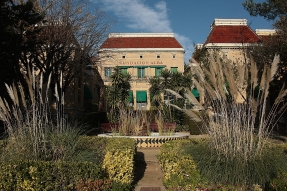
(91, 148)
(259, 170)
(41, 175)
(180, 172)
(192, 165)
(119, 160)
(101, 163)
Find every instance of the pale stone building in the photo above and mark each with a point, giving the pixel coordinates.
(143, 55)
(232, 38)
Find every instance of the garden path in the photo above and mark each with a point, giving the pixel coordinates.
(148, 176)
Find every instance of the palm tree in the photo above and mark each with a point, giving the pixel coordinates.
(175, 81)
(118, 91)
(155, 92)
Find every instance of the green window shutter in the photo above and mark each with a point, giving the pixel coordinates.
(131, 97)
(141, 97)
(173, 69)
(141, 72)
(124, 71)
(195, 92)
(158, 71)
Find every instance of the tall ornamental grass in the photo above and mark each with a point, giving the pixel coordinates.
(32, 134)
(236, 128)
(132, 122)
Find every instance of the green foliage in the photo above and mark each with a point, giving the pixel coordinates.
(119, 160)
(192, 165)
(169, 80)
(180, 170)
(55, 145)
(279, 183)
(18, 27)
(269, 9)
(41, 175)
(236, 170)
(102, 185)
(97, 185)
(275, 10)
(91, 149)
(96, 163)
(118, 91)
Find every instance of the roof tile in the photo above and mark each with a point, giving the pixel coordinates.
(141, 42)
(232, 34)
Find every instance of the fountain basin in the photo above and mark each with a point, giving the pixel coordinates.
(152, 141)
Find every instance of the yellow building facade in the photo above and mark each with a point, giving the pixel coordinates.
(143, 56)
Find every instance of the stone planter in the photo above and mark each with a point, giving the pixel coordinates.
(154, 140)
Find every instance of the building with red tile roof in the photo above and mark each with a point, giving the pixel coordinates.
(233, 36)
(266, 34)
(141, 41)
(143, 55)
(231, 31)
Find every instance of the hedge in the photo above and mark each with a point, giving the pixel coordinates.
(179, 169)
(113, 170)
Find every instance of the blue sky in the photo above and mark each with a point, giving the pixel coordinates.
(189, 20)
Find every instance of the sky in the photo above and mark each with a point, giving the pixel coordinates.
(189, 20)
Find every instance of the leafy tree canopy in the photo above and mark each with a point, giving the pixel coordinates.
(270, 9)
(276, 44)
(18, 34)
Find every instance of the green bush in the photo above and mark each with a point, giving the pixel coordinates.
(42, 175)
(119, 160)
(96, 160)
(218, 170)
(115, 155)
(91, 148)
(180, 171)
(193, 165)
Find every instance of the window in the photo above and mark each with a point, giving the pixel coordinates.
(173, 69)
(124, 71)
(158, 71)
(141, 56)
(123, 56)
(158, 56)
(173, 56)
(108, 72)
(141, 72)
